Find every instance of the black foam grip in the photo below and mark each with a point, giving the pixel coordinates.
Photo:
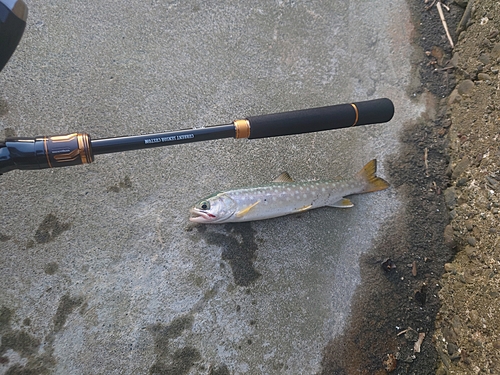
(323, 118)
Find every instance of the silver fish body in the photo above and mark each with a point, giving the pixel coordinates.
(284, 196)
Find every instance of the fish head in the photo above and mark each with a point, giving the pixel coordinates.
(216, 208)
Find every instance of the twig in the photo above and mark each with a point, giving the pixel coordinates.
(404, 331)
(441, 15)
(426, 151)
(430, 6)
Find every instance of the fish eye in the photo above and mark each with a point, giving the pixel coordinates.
(205, 205)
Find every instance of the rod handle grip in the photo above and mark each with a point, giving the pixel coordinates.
(45, 152)
(322, 118)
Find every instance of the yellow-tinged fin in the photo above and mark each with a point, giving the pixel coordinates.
(343, 203)
(305, 208)
(284, 177)
(373, 183)
(246, 210)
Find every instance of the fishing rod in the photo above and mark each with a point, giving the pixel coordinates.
(78, 148)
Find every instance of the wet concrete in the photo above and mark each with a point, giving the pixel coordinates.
(101, 271)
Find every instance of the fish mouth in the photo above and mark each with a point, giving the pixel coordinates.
(199, 216)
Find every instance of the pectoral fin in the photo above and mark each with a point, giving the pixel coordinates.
(343, 203)
(246, 210)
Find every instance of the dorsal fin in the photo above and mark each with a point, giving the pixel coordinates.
(284, 177)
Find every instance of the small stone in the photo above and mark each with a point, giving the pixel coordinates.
(468, 225)
(449, 238)
(462, 182)
(465, 87)
(460, 168)
(486, 43)
(495, 52)
(457, 326)
(449, 335)
(450, 198)
(449, 267)
(469, 250)
(484, 58)
(474, 316)
(452, 348)
(492, 230)
(454, 97)
(493, 34)
(483, 77)
(471, 241)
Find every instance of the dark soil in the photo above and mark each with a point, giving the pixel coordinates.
(398, 302)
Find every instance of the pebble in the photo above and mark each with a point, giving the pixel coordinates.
(468, 225)
(471, 241)
(452, 348)
(495, 52)
(462, 182)
(484, 58)
(449, 267)
(449, 238)
(450, 198)
(456, 324)
(469, 250)
(483, 77)
(465, 87)
(474, 317)
(454, 97)
(460, 168)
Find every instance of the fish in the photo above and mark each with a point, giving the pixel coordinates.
(283, 196)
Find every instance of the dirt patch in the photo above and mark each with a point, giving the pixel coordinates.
(468, 324)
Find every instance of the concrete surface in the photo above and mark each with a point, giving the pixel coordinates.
(101, 271)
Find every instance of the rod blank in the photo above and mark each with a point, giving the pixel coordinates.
(78, 148)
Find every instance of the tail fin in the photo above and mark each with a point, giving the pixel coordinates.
(372, 182)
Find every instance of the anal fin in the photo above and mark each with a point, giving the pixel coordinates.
(343, 203)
